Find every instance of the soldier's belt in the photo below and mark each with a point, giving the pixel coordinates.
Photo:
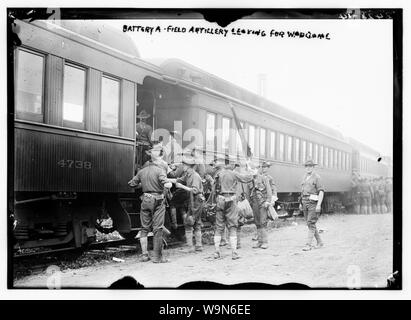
(155, 195)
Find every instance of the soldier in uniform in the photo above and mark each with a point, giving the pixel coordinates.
(143, 137)
(152, 179)
(388, 194)
(274, 187)
(366, 195)
(355, 192)
(381, 195)
(180, 197)
(374, 200)
(261, 197)
(312, 194)
(173, 149)
(191, 182)
(227, 214)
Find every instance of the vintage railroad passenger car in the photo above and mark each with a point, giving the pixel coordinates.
(78, 87)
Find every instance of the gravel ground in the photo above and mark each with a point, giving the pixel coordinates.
(357, 253)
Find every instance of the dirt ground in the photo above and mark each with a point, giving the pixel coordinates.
(357, 253)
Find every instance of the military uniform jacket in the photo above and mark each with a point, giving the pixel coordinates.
(228, 180)
(192, 180)
(152, 178)
(272, 183)
(311, 184)
(144, 132)
(261, 189)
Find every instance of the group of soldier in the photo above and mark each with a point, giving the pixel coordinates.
(371, 195)
(182, 180)
(167, 174)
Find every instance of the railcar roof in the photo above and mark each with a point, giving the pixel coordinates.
(102, 33)
(362, 147)
(183, 70)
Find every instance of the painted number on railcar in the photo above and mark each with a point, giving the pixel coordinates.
(74, 164)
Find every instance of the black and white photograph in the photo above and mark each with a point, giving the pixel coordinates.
(204, 148)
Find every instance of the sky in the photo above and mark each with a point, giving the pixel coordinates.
(344, 82)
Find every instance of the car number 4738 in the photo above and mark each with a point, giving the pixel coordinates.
(74, 164)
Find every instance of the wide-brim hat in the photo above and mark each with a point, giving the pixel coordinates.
(188, 160)
(309, 163)
(156, 148)
(143, 115)
(265, 164)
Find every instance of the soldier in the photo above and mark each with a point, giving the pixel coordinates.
(173, 149)
(192, 219)
(366, 195)
(374, 200)
(388, 194)
(227, 214)
(180, 197)
(312, 194)
(261, 197)
(355, 192)
(152, 179)
(274, 187)
(381, 195)
(143, 137)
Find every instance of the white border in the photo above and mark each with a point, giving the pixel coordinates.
(209, 294)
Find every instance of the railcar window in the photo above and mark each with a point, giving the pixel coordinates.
(272, 144)
(226, 134)
(30, 79)
(321, 156)
(315, 153)
(326, 163)
(331, 158)
(238, 140)
(282, 140)
(289, 148)
(304, 151)
(251, 138)
(310, 150)
(262, 142)
(335, 159)
(343, 160)
(339, 160)
(210, 131)
(74, 93)
(297, 150)
(110, 104)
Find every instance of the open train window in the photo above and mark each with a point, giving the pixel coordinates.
(110, 105)
(29, 85)
(210, 131)
(326, 163)
(251, 138)
(297, 150)
(310, 150)
(282, 142)
(304, 151)
(289, 148)
(339, 161)
(263, 133)
(272, 144)
(226, 134)
(315, 153)
(239, 145)
(74, 88)
(335, 159)
(331, 158)
(321, 155)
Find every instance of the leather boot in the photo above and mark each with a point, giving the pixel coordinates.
(158, 247)
(259, 239)
(357, 209)
(310, 236)
(199, 243)
(264, 239)
(217, 240)
(144, 252)
(189, 240)
(173, 216)
(318, 238)
(233, 242)
(369, 210)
